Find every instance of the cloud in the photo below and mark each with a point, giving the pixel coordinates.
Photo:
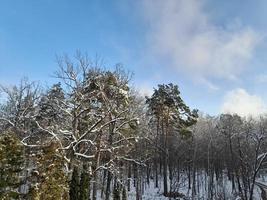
(182, 32)
(239, 101)
(208, 84)
(145, 90)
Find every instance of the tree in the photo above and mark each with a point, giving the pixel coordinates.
(170, 110)
(102, 129)
(51, 177)
(230, 126)
(74, 185)
(124, 193)
(116, 192)
(51, 107)
(19, 110)
(11, 164)
(85, 184)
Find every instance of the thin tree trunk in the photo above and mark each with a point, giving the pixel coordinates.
(129, 177)
(165, 162)
(96, 170)
(109, 178)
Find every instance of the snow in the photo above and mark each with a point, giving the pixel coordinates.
(223, 186)
(151, 193)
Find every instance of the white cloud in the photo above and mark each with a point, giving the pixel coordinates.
(145, 90)
(208, 84)
(239, 101)
(181, 31)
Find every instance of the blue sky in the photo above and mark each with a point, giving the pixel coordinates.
(214, 50)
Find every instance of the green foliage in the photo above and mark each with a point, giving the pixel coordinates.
(185, 133)
(167, 104)
(11, 164)
(52, 182)
(74, 185)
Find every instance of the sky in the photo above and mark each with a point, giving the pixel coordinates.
(214, 50)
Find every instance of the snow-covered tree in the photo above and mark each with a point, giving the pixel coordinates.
(51, 178)
(103, 124)
(171, 112)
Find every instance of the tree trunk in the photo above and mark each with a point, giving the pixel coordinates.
(95, 169)
(129, 177)
(109, 178)
(165, 161)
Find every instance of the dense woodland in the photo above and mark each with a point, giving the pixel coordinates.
(93, 136)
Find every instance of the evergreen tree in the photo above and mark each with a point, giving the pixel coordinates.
(74, 185)
(52, 180)
(51, 106)
(11, 164)
(168, 107)
(85, 185)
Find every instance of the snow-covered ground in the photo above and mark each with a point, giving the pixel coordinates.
(150, 193)
(222, 187)
(223, 190)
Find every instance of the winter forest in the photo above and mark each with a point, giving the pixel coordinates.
(92, 135)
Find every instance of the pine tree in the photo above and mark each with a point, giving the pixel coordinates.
(74, 185)
(11, 164)
(169, 108)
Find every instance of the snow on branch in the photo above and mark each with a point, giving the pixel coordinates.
(8, 121)
(84, 156)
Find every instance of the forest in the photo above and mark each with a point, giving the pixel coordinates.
(92, 135)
